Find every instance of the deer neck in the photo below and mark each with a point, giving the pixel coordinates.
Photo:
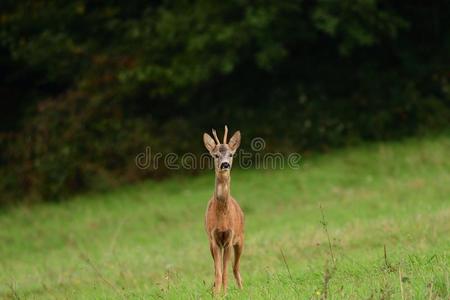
(222, 189)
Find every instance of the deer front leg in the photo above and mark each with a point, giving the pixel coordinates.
(237, 256)
(226, 257)
(216, 254)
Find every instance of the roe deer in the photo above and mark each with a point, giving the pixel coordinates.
(224, 221)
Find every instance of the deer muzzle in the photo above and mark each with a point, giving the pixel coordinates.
(225, 166)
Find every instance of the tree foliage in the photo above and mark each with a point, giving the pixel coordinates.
(86, 85)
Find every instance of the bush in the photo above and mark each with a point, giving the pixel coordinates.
(89, 86)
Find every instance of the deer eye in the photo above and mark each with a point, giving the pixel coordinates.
(231, 155)
(216, 155)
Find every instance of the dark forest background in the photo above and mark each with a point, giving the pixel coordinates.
(87, 85)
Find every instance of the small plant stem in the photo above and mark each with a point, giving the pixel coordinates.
(401, 283)
(325, 228)
(286, 264)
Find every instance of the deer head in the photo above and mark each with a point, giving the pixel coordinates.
(222, 152)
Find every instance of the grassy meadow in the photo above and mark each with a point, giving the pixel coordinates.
(319, 232)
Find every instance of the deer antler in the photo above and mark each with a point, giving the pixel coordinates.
(225, 135)
(215, 136)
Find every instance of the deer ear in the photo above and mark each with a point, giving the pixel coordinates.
(235, 140)
(210, 144)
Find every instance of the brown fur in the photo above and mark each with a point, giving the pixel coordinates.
(224, 220)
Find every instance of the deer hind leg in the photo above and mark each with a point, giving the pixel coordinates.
(237, 256)
(216, 253)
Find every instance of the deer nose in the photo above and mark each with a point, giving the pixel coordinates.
(224, 166)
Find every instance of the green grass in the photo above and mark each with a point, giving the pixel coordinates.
(147, 241)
